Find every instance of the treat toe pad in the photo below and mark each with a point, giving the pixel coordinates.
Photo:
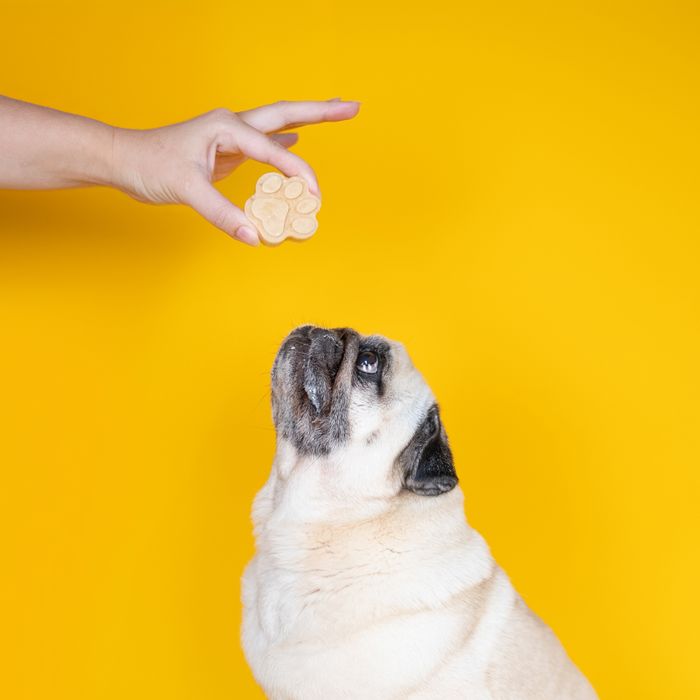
(283, 208)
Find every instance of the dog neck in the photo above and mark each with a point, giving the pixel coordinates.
(308, 495)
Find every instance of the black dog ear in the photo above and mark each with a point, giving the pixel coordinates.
(428, 468)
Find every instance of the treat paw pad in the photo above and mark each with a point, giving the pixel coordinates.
(282, 208)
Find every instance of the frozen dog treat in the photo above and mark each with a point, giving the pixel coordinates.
(282, 207)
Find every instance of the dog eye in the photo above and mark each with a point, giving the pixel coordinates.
(368, 362)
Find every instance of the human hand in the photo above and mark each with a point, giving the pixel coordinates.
(179, 163)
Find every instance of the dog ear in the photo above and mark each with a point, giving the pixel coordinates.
(426, 461)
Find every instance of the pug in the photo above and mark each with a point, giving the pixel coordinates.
(367, 582)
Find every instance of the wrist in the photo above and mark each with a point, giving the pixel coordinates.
(101, 167)
(126, 156)
(84, 151)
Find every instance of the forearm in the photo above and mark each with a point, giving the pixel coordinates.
(42, 148)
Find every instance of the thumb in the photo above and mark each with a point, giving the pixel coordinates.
(205, 199)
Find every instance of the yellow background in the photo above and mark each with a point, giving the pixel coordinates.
(517, 202)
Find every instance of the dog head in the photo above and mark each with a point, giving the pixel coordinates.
(359, 403)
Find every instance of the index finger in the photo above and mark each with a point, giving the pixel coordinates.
(258, 146)
(288, 115)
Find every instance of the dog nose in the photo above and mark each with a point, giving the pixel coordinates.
(297, 340)
(324, 336)
(323, 339)
(302, 331)
(322, 347)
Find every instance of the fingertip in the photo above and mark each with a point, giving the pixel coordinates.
(245, 234)
(288, 139)
(341, 110)
(307, 173)
(314, 188)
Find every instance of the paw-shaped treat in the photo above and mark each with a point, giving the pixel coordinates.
(282, 208)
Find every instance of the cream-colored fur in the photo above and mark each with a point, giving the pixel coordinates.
(360, 589)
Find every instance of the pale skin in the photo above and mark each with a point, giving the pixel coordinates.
(42, 148)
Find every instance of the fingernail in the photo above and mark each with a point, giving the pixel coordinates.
(245, 234)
